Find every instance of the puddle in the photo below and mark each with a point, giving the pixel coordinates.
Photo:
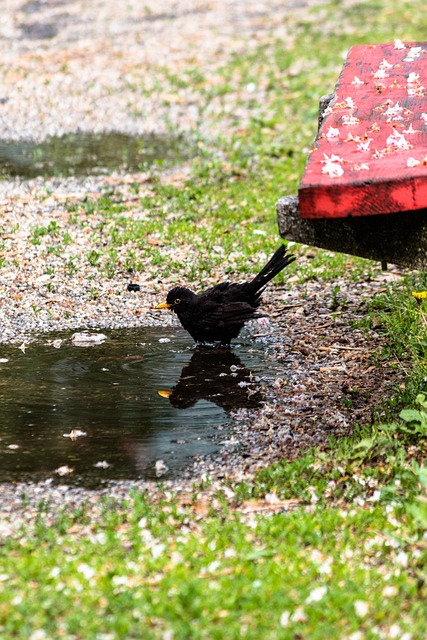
(90, 154)
(96, 410)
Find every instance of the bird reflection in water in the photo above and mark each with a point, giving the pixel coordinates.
(216, 375)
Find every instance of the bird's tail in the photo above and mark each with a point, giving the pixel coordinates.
(277, 262)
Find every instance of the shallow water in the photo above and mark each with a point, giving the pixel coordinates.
(95, 413)
(90, 154)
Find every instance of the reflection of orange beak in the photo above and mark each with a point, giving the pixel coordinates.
(163, 305)
(164, 393)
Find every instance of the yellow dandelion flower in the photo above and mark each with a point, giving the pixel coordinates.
(419, 295)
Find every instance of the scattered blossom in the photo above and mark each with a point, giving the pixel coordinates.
(332, 166)
(414, 52)
(378, 154)
(398, 44)
(299, 615)
(332, 132)
(284, 618)
(413, 78)
(394, 112)
(416, 90)
(361, 607)
(385, 64)
(86, 570)
(352, 138)
(350, 120)
(157, 549)
(317, 594)
(412, 162)
(364, 146)
(414, 86)
(357, 80)
(374, 127)
(38, 634)
(398, 141)
(375, 496)
(410, 129)
(380, 74)
(389, 591)
(402, 559)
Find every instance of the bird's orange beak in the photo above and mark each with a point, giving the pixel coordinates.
(163, 305)
(164, 393)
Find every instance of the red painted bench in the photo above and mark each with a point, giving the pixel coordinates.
(369, 159)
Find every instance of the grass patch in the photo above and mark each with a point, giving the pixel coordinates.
(246, 162)
(402, 319)
(334, 542)
(342, 562)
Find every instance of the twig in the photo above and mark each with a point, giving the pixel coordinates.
(288, 306)
(342, 347)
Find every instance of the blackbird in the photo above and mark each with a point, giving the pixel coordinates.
(217, 376)
(219, 313)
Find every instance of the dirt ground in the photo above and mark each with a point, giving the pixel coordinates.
(72, 65)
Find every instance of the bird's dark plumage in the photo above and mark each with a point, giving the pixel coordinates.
(219, 313)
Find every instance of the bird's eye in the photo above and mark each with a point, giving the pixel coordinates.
(177, 300)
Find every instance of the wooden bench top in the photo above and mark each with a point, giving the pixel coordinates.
(370, 155)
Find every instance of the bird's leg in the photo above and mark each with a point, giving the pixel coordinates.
(203, 346)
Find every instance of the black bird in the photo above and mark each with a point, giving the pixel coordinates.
(217, 376)
(219, 313)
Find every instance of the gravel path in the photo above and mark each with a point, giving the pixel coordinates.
(91, 66)
(68, 65)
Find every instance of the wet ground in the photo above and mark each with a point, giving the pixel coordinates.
(93, 67)
(320, 378)
(90, 154)
(125, 404)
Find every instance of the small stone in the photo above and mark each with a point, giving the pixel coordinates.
(64, 470)
(102, 464)
(160, 468)
(85, 339)
(74, 434)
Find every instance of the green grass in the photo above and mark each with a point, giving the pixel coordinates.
(243, 166)
(345, 559)
(403, 321)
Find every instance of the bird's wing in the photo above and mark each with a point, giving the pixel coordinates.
(216, 292)
(235, 312)
(228, 313)
(226, 292)
(224, 304)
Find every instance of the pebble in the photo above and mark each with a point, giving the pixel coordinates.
(85, 339)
